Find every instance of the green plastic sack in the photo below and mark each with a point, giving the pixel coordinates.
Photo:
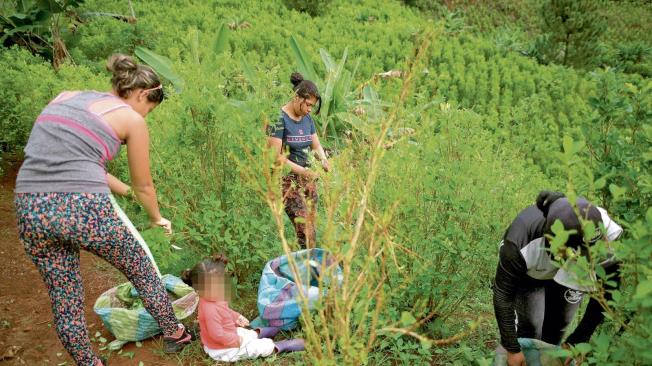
(123, 314)
(537, 353)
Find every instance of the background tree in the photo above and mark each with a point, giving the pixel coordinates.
(572, 29)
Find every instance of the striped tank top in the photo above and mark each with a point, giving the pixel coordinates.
(69, 146)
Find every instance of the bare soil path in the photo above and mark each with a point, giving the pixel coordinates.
(27, 336)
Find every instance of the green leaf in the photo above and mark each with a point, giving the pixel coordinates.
(588, 230)
(155, 237)
(407, 319)
(328, 60)
(333, 77)
(426, 343)
(116, 345)
(583, 348)
(559, 352)
(248, 71)
(567, 144)
(616, 191)
(303, 61)
(643, 289)
(631, 88)
(221, 40)
(600, 183)
(600, 272)
(616, 295)
(161, 64)
(193, 36)
(23, 28)
(560, 236)
(601, 342)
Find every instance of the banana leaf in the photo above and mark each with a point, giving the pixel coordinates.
(161, 64)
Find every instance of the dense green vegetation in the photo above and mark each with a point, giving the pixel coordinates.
(429, 167)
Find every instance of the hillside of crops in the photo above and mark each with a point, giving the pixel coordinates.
(442, 120)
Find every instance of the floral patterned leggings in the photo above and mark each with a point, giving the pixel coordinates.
(300, 200)
(53, 227)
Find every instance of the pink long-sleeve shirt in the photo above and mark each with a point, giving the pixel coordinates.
(217, 324)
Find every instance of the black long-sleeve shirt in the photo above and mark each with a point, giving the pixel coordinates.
(523, 261)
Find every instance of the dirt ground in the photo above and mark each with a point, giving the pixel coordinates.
(27, 336)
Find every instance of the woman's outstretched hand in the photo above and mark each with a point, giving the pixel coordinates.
(164, 223)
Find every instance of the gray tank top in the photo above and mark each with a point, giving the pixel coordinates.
(68, 147)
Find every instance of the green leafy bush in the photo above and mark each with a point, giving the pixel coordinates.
(29, 83)
(435, 149)
(312, 7)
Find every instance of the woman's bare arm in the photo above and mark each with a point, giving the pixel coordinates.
(139, 169)
(117, 186)
(276, 144)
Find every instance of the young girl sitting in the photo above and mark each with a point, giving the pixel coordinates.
(222, 330)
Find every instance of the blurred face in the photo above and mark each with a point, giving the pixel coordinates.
(214, 287)
(304, 106)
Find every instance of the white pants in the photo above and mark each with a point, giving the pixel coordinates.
(251, 347)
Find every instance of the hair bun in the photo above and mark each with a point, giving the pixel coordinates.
(119, 64)
(296, 78)
(546, 198)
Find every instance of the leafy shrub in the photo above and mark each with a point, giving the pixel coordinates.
(312, 7)
(99, 37)
(29, 83)
(634, 57)
(424, 5)
(36, 25)
(574, 27)
(442, 156)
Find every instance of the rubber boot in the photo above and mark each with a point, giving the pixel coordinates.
(267, 332)
(290, 345)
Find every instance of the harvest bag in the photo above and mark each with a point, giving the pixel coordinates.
(279, 304)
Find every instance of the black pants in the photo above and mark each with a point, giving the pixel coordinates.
(544, 311)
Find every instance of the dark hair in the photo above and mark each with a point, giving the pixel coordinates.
(129, 76)
(547, 198)
(305, 88)
(561, 209)
(215, 264)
